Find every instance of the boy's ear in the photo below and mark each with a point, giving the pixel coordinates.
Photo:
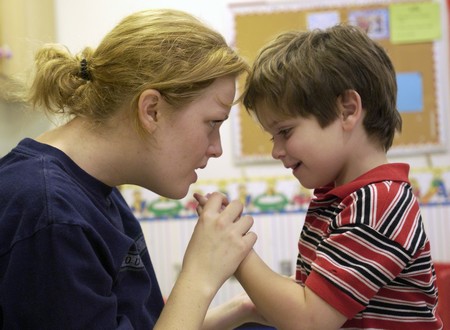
(350, 107)
(148, 106)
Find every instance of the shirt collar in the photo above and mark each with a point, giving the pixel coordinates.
(386, 172)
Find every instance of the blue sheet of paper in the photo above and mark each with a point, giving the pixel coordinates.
(410, 92)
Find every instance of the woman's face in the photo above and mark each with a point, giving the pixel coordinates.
(185, 139)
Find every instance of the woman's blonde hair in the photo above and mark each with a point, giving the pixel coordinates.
(167, 50)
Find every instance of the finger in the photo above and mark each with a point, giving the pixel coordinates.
(250, 239)
(215, 202)
(199, 210)
(244, 224)
(233, 210)
(200, 199)
(201, 202)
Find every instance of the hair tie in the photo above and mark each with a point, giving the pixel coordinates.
(84, 71)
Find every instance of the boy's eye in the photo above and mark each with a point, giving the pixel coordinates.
(284, 132)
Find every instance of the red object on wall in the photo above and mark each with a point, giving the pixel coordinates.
(443, 283)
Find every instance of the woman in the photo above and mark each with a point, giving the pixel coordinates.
(144, 108)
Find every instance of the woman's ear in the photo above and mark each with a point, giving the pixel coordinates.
(350, 107)
(149, 104)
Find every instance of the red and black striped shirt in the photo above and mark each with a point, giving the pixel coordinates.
(364, 250)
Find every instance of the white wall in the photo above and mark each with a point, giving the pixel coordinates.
(85, 22)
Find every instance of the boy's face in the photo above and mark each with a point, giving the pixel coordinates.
(316, 155)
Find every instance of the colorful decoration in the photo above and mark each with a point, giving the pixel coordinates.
(271, 200)
(437, 190)
(138, 204)
(164, 207)
(263, 195)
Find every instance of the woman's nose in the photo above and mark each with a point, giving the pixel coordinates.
(215, 148)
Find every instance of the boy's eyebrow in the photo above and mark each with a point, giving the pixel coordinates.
(270, 124)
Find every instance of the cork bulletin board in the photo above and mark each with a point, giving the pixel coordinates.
(411, 33)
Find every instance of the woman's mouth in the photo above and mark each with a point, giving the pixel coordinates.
(295, 166)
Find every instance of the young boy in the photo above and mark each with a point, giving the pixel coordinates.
(328, 98)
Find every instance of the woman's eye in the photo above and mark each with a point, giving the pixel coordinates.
(214, 123)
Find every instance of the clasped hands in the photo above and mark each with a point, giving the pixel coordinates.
(221, 239)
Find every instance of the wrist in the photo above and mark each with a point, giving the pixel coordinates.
(200, 286)
(243, 266)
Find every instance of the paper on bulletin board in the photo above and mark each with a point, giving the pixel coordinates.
(415, 22)
(421, 67)
(374, 21)
(323, 20)
(410, 92)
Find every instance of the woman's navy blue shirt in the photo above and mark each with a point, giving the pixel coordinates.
(72, 255)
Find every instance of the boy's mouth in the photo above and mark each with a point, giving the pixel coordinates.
(294, 166)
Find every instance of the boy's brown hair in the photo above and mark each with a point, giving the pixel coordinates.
(304, 73)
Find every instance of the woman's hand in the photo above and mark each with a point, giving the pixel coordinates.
(220, 241)
(203, 199)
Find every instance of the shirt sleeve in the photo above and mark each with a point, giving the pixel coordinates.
(59, 278)
(352, 266)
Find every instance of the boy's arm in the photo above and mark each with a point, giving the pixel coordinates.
(281, 301)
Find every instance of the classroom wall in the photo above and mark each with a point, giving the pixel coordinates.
(84, 22)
